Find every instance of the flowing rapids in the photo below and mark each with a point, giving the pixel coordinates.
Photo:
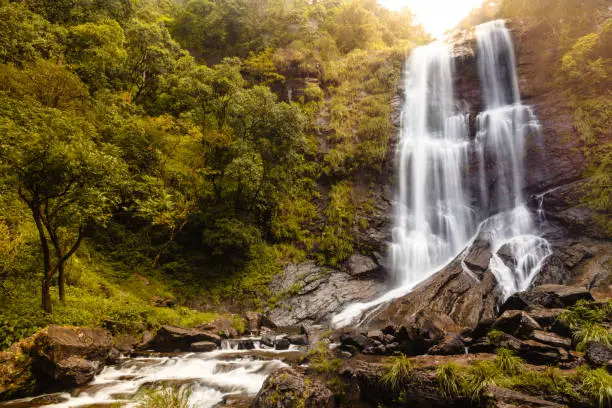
(438, 211)
(210, 378)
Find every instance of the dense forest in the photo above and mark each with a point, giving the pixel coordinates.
(154, 152)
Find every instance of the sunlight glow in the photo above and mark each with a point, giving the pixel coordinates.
(437, 16)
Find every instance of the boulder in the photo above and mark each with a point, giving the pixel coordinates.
(245, 344)
(268, 339)
(478, 256)
(552, 271)
(516, 323)
(450, 344)
(222, 326)
(282, 344)
(171, 338)
(356, 340)
(70, 356)
(551, 339)
(453, 298)
(547, 296)
(203, 346)
(538, 353)
(298, 339)
(74, 371)
(361, 266)
(287, 388)
(254, 321)
(598, 353)
(125, 343)
(505, 398)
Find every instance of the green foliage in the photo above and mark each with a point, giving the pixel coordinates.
(321, 360)
(397, 374)
(508, 362)
(591, 332)
(597, 386)
(173, 397)
(550, 382)
(450, 380)
(158, 141)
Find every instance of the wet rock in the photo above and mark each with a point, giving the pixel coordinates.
(516, 323)
(286, 388)
(598, 353)
(255, 321)
(452, 297)
(551, 339)
(478, 256)
(298, 339)
(268, 339)
(321, 293)
(114, 357)
(125, 343)
(73, 371)
(566, 295)
(547, 296)
(221, 326)
(282, 344)
(361, 266)
(203, 346)
(170, 338)
(378, 335)
(490, 344)
(450, 344)
(70, 356)
(356, 340)
(553, 271)
(246, 344)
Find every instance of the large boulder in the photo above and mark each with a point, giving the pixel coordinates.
(172, 338)
(547, 296)
(453, 298)
(287, 388)
(516, 323)
(364, 267)
(71, 356)
(598, 353)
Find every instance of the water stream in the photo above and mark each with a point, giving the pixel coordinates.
(437, 211)
(211, 379)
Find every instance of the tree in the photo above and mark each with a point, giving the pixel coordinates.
(66, 180)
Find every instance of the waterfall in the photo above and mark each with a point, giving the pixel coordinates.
(433, 216)
(437, 212)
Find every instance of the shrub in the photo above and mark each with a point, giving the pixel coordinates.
(450, 380)
(591, 332)
(508, 362)
(597, 386)
(397, 372)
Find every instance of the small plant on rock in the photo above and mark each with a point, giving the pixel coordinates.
(397, 372)
(591, 332)
(508, 362)
(450, 380)
(597, 386)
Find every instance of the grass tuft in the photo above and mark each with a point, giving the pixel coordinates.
(173, 397)
(597, 386)
(397, 372)
(508, 362)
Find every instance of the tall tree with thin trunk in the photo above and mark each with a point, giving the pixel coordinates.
(66, 179)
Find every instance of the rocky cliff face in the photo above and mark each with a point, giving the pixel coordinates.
(554, 175)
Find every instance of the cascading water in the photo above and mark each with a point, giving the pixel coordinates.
(433, 217)
(436, 213)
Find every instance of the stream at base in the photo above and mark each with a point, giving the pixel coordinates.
(226, 377)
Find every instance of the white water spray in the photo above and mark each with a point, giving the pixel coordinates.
(436, 215)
